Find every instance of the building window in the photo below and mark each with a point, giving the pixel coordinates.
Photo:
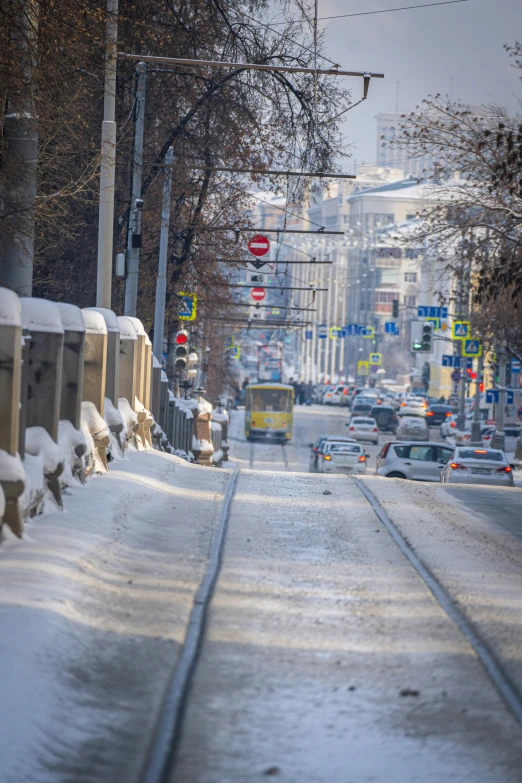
(410, 301)
(410, 277)
(389, 252)
(385, 296)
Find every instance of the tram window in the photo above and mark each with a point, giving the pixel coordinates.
(270, 400)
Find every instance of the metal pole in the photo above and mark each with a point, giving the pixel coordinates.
(108, 161)
(21, 153)
(161, 282)
(134, 229)
(500, 438)
(476, 440)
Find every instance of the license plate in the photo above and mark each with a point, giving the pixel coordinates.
(480, 471)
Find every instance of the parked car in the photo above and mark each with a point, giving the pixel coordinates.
(412, 406)
(363, 428)
(327, 395)
(437, 414)
(478, 466)
(385, 417)
(317, 449)
(343, 457)
(337, 393)
(417, 461)
(412, 428)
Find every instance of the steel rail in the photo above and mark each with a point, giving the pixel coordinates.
(162, 753)
(507, 690)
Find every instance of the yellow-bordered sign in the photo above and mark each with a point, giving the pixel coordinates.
(369, 331)
(461, 330)
(187, 310)
(472, 347)
(375, 358)
(363, 368)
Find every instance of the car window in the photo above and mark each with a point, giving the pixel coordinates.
(362, 420)
(424, 453)
(402, 451)
(444, 453)
(347, 448)
(484, 454)
(511, 433)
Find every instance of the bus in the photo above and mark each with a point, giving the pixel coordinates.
(268, 411)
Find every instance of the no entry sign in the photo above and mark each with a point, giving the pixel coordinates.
(259, 245)
(258, 294)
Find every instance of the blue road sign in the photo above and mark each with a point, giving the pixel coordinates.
(515, 365)
(447, 360)
(343, 331)
(390, 327)
(432, 312)
(322, 331)
(308, 335)
(491, 395)
(455, 376)
(352, 329)
(510, 398)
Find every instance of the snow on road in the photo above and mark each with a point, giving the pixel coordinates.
(93, 608)
(327, 659)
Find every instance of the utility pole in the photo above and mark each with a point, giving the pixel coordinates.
(476, 440)
(499, 440)
(463, 314)
(161, 282)
(17, 204)
(134, 228)
(108, 161)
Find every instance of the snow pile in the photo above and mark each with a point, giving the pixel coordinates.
(138, 326)
(73, 446)
(97, 436)
(221, 416)
(11, 468)
(181, 404)
(110, 318)
(94, 322)
(216, 426)
(130, 421)
(49, 465)
(217, 457)
(71, 317)
(39, 442)
(118, 430)
(199, 406)
(10, 308)
(39, 315)
(33, 497)
(127, 328)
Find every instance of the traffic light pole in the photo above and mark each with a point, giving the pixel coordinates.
(476, 440)
(161, 282)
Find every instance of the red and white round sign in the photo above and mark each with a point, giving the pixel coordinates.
(259, 245)
(258, 294)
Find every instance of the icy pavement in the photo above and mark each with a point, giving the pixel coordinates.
(327, 659)
(93, 608)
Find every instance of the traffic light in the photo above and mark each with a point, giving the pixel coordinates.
(182, 350)
(421, 337)
(395, 308)
(192, 360)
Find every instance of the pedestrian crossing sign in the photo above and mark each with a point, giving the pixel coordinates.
(461, 330)
(472, 347)
(363, 368)
(369, 331)
(375, 358)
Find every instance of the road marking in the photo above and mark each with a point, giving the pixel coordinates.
(494, 670)
(166, 736)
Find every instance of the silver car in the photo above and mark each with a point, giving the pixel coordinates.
(478, 466)
(417, 461)
(412, 428)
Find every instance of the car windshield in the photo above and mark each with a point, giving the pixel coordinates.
(484, 454)
(440, 408)
(360, 420)
(270, 400)
(346, 448)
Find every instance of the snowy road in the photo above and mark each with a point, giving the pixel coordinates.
(325, 657)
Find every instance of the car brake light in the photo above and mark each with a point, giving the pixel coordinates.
(507, 469)
(456, 466)
(351, 429)
(452, 424)
(376, 429)
(430, 413)
(403, 404)
(327, 457)
(362, 458)
(448, 413)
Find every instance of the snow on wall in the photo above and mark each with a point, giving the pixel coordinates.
(111, 414)
(38, 442)
(220, 416)
(71, 316)
(216, 426)
(110, 318)
(11, 468)
(137, 325)
(40, 315)
(127, 328)
(155, 362)
(94, 322)
(10, 308)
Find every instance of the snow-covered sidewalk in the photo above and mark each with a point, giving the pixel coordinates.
(93, 608)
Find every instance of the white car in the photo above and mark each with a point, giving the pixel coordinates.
(343, 457)
(327, 395)
(337, 394)
(477, 466)
(363, 428)
(413, 406)
(412, 428)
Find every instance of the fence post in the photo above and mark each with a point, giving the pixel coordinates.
(73, 361)
(128, 360)
(10, 385)
(95, 359)
(112, 372)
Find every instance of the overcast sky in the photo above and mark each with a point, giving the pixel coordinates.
(454, 49)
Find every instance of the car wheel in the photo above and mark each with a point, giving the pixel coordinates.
(395, 474)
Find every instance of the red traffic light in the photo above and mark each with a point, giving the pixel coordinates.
(481, 387)
(181, 338)
(473, 376)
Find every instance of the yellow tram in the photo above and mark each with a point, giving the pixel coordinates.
(268, 411)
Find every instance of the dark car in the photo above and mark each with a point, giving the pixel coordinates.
(436, 414)
(385, 417)
(362, 408)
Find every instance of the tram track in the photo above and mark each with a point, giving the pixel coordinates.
(161, 763)
(252, 454)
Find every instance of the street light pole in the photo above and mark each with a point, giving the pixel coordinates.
(108, 161)
(161, 282)
(134, 228)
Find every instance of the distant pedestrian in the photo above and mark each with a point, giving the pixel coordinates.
(301, 393)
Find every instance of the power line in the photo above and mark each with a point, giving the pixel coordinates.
(383, 11)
